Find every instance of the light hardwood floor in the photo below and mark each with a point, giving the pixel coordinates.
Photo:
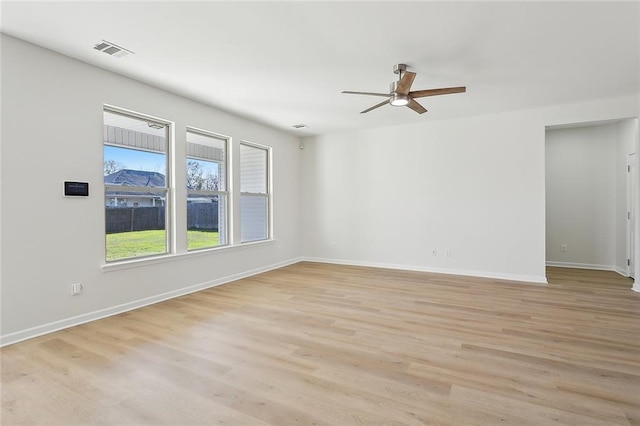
(325, 344)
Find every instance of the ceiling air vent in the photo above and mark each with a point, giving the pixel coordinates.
(112, 49)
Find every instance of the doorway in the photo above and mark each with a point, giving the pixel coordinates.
(591, 181)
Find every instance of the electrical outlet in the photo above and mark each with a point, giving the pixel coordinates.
(76, 289)
(434, 252)
(447, 253)
(563, 248)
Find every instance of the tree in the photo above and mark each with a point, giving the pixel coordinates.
(211, 183)
(112, 166)
(194, 174)
(200, 179)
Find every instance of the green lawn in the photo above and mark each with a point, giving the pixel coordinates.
(201, 239)
(144, 243)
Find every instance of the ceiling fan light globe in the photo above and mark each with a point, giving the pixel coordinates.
(399, 100)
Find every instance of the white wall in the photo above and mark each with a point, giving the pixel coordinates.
(581, 191)
(474, 186)
(390, 196)
(52, 132)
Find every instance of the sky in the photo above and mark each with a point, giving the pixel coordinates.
(136, 160)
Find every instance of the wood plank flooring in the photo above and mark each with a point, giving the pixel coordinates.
(316, 344)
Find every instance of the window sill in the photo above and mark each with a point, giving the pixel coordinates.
(152, 260)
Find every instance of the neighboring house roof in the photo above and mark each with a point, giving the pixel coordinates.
(128, 177)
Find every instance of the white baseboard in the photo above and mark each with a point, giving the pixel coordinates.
(636, 287)
(40, 330)
(621, 271)
(592, 266)
(463, 272)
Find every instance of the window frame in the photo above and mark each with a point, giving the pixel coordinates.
(268, 195)
(227, 181)
(167, 189)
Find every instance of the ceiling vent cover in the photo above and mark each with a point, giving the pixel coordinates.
(112, 49)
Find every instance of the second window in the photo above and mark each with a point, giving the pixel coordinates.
(206, 190)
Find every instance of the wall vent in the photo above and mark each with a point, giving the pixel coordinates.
(112, 49)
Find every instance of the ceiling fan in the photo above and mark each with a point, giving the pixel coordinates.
(400, 91)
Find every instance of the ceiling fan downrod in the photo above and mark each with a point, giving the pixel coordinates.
(399, 69)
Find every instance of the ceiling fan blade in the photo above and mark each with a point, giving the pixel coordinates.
(436, 92)
(376, 106)
(404, 85)
(416, 107)
(364, 93)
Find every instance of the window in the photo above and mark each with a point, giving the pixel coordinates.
(254, 193)
(140, 162)
(206, 190)
(136, 186)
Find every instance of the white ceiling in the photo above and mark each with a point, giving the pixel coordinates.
(283, 63)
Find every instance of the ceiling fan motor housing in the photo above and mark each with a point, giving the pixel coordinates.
(397, 99)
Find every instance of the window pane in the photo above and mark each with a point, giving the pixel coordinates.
(131, 167)
(253, 169)
(253, 218)
(206, 185)
(206, 221)
(206, 162)
(203, 175)
(135, 224)
(134, 159)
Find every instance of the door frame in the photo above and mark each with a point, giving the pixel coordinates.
(632, 200)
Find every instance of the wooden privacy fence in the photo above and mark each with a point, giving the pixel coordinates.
(202, 216)
(127, 219)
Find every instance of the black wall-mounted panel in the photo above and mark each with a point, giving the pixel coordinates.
(76, 189)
